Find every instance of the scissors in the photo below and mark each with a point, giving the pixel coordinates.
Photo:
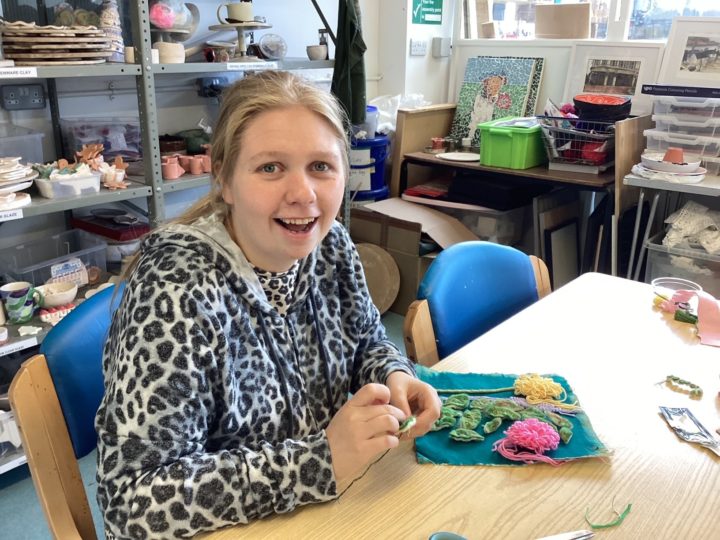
(573, 535)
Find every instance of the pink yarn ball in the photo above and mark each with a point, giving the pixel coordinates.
(162, 16)
(533, 434)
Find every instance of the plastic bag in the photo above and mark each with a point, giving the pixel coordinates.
(388, 106)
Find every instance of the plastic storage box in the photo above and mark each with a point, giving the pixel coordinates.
(687, 108)
(510, 147)
(660, 141)
(688, 263)
(58, 189)
(39, 261)
(702, 126)
(119, 136)
(23, 142)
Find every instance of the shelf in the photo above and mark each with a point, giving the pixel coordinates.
(709, 186)
(12, 460)
(212, 67)
(187, 182)
(96, 70)
(16, 342)
(40, 205)
(219, 67)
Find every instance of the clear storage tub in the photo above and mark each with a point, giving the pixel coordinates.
(687, 108)
(695, 145)
(694, 264)
(41, 260)
(700, 126)
(72, 187)
(17, 141)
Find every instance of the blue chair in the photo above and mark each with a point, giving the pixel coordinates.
(470, 288)
(55, 396)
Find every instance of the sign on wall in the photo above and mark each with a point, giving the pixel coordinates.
(427, 11)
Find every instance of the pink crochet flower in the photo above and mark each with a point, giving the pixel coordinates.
(532, 434)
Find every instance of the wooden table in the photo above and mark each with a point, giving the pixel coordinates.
(602, 334)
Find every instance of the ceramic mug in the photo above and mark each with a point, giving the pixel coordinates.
(206, 163)
(196, 165)
(185, 162)
(21, 300)
(237, 11)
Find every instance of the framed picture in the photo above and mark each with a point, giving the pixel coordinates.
(691, 58)
(614, 68)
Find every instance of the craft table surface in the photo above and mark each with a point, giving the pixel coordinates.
(592, 181)
(602, 334)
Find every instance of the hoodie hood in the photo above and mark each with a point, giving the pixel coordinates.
(209, 238)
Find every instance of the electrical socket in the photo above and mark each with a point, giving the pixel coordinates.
(418, 47)
(17, 97)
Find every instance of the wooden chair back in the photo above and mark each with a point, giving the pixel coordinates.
(49, 451)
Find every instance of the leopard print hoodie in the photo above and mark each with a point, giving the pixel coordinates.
(215, 404)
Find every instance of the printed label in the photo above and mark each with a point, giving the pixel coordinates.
(9, 215)
(18, 346)
(18, 72)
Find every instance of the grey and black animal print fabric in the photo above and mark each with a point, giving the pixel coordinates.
(215, 403)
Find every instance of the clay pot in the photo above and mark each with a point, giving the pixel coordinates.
(674, 155)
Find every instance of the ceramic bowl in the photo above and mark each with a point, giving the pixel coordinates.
(317, 52)
(57, 294)
(655, 161)
(602, 107)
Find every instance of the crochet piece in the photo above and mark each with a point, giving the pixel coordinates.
(450, 443)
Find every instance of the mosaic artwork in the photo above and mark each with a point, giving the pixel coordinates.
(495, 87)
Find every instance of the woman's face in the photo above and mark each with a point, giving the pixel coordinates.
(287, 186)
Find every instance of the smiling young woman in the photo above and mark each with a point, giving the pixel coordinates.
(245, 327)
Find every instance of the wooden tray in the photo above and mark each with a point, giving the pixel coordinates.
(58, 62)
(55, 39)
(8, 47)
(60, 55)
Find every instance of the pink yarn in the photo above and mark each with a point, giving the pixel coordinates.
(162, 16)
(531, 434)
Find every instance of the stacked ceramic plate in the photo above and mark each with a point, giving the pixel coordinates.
(14, 177)
(659, 166)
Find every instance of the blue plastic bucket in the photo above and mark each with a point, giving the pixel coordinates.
(367, 163)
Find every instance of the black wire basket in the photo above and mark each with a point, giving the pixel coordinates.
(578, 143)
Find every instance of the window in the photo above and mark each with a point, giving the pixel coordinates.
(515, 19)
(634, 19)
(651, 19)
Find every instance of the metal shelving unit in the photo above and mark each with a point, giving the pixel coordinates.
(151, 186)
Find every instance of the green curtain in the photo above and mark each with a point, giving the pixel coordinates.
(348, 83)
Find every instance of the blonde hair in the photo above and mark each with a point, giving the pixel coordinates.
(241, 103)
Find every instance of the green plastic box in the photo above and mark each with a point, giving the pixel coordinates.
(510, 147)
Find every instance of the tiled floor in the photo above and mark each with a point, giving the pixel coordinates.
(21, 517)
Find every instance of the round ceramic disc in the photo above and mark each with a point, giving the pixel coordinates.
(381, 273)
(459, 156)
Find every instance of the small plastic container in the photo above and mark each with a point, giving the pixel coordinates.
(59, 189)
(692, 145)
(687, 108)
(695, 265)
(23, 142)
(712, 165)
(371, 122)
(701, 126)
(510, 147)
(36, 261)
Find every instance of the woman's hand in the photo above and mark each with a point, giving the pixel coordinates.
(416, 398)
(363, 428)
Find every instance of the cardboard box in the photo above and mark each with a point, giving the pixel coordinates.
(562, 21)
(483, 11)
(397, 227)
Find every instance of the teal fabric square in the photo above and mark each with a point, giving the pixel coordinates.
(437, 447)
